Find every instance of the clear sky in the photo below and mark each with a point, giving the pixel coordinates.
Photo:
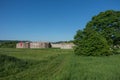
(48, 20)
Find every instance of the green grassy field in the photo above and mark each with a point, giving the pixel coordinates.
(56, 64)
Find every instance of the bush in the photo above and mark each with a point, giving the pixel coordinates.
(93, 44)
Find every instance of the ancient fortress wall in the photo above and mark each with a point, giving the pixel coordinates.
(39, 45)
(44, 45)
(63, 45)
(32, 45)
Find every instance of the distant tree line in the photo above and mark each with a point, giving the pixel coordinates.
(9, 43)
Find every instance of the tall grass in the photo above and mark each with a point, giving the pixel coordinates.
(57, 64)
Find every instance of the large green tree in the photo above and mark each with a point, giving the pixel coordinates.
(99, 35)
(107, 24)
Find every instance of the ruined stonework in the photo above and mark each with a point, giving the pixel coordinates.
(44, 45)
(22, 45)
(39, 45)
(56, 45)
(63, 45)
(67, 46)
(33, 45)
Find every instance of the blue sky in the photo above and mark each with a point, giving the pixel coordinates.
(48, 20)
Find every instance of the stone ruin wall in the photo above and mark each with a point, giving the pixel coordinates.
(63, 45)
(39, 45)
(32, 45)
(44, 45)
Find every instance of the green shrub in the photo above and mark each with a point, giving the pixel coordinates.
(93, 44)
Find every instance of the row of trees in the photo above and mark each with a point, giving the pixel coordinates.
(8, 43)
(100, 35)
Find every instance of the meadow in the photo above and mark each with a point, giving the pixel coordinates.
(56, 64)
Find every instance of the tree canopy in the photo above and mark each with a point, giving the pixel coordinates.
(99, 35)
(107, 24)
